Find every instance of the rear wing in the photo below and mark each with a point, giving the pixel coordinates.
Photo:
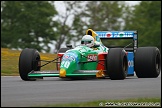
(116, 35)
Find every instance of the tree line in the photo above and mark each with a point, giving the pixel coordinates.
(36, 24)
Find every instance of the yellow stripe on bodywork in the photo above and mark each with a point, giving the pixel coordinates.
(100, 74)
(93, 33)
(62, 73)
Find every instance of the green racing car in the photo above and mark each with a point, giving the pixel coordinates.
(98, 61)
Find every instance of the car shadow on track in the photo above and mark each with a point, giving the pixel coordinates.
(80, 79)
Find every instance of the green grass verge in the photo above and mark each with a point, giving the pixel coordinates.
(131, 102)
(10, 61)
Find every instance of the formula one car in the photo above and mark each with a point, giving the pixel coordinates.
(115, 63)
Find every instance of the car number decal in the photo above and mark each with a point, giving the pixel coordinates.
(92, 57)
(65, 64)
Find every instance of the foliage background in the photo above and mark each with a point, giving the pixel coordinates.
(37, 24)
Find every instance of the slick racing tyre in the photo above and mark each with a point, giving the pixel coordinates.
(117, 64)
(147, 62)
(28, 61)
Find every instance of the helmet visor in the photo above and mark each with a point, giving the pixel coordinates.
(85, 42)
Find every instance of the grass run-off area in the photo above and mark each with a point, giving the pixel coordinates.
(10, 61)
(131, 102)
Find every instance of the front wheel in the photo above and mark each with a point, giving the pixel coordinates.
(29, 60)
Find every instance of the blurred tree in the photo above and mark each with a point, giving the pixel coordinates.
(65, 29)
(27, 24)
(146, 18)
(30, 23)
(99, 16)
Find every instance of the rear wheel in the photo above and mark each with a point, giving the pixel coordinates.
(147, 62)
(28, 61)
(117, 64)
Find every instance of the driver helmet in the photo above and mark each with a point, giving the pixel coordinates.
(87, 40)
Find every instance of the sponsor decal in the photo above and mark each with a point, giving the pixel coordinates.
(108, 34)
(115, 34)
(92, 57)
(130, 63)
(70, 56)
(122, 34)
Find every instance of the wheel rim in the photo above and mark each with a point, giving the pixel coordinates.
(157, 62)
(125, 64)
(38, 62)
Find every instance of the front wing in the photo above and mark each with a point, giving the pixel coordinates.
(78, 73)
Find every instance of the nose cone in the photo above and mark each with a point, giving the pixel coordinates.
(62, 72)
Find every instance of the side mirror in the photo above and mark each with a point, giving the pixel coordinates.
(69, 46)
(96, 45)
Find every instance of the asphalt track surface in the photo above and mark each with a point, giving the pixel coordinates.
(18, 93)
